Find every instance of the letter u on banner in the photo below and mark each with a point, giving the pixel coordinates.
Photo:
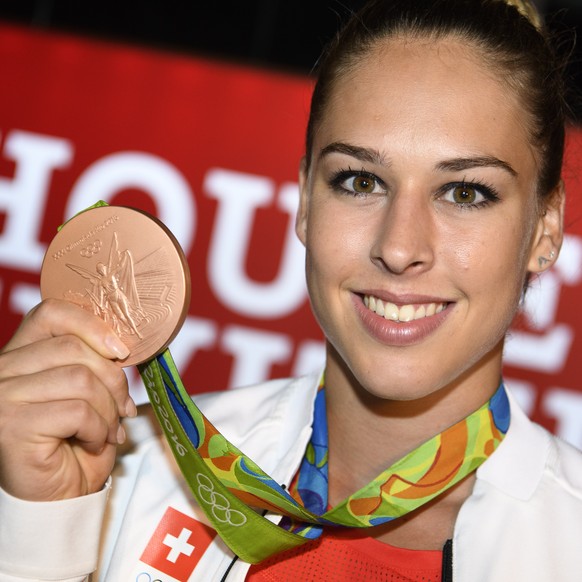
(239, 196)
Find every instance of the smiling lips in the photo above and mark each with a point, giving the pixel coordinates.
(404, 313)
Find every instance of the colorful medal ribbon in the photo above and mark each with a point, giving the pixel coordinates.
(227, 484)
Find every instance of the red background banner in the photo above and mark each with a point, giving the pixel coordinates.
(213, 149)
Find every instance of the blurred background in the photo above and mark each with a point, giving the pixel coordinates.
(196, 112)
(277, 34)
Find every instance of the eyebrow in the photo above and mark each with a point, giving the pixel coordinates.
(460, 164)
(369, 155)
(373, 156)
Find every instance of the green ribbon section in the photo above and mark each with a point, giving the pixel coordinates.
(97, 204)
(227, 484)
(248, 534)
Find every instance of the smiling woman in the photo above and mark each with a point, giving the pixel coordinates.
(435, 207)
(430, 193)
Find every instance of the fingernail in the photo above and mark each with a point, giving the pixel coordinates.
(117, 347)
(130, 408)
(121, 435)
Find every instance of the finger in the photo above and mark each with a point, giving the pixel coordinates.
(54, 317)
(56, 450)
(71, 419)
(59, 386)
(75, 360)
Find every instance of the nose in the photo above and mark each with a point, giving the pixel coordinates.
(404, 238)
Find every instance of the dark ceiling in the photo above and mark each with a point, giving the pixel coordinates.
(273, 33)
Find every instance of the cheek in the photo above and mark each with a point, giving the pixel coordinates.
(465, 248)
(492, 261)
(335, 258)
(329, 255)
(335, 238)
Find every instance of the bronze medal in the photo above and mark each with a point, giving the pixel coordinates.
(126, 267)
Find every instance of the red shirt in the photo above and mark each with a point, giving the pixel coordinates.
(347, 556)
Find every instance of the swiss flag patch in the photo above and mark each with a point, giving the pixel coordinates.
(177, 545)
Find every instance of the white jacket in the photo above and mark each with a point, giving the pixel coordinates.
(523, 521)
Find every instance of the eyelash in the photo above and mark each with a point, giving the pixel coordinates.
(338, 178)
(487, 191)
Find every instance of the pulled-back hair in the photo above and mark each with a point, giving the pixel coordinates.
(512, 44)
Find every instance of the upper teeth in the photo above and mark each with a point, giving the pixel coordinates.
(405, 312)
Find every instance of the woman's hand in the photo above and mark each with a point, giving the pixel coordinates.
(61, 399)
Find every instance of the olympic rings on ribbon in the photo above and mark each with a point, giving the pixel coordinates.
(218, 503)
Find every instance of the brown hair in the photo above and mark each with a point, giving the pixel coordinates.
(511, 39)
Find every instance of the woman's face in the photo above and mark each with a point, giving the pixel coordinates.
(420, 218)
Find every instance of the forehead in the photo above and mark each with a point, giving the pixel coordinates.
(410, 90)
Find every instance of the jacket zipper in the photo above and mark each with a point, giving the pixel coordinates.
(447, 571)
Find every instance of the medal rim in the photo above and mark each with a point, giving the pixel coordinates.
(184, 270)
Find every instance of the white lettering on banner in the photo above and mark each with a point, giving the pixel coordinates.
(161, 180)
(544, 353)
(196, 334)
(254, 351)
(178, 545)
(524, 392)
(310, 357)
(566, 407)
(23, 197)
(239, 196)
(24, 297)
(549, 351)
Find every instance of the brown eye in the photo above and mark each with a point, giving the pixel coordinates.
(364, 184)
(360, 184)
(467, 196)
(464, 194)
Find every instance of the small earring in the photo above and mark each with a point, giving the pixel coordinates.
(543, 261)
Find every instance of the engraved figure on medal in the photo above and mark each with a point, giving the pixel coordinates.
(114, 296)
(138, 283)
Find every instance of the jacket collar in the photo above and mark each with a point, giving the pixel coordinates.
(517, 465)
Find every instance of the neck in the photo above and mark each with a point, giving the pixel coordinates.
(393, 427)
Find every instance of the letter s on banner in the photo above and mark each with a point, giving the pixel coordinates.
(152, 174)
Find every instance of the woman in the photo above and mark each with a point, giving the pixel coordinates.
(430, 195)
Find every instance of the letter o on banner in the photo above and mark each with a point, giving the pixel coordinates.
(152, 174)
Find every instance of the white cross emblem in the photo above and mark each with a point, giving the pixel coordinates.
(179, 545)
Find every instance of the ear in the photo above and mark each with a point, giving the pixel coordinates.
(549, 232)
(301, 218)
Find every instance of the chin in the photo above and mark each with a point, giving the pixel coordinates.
(393, 381)
(401, 390)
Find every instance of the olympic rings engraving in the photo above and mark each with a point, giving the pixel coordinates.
(91, 249)
(218, 503)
